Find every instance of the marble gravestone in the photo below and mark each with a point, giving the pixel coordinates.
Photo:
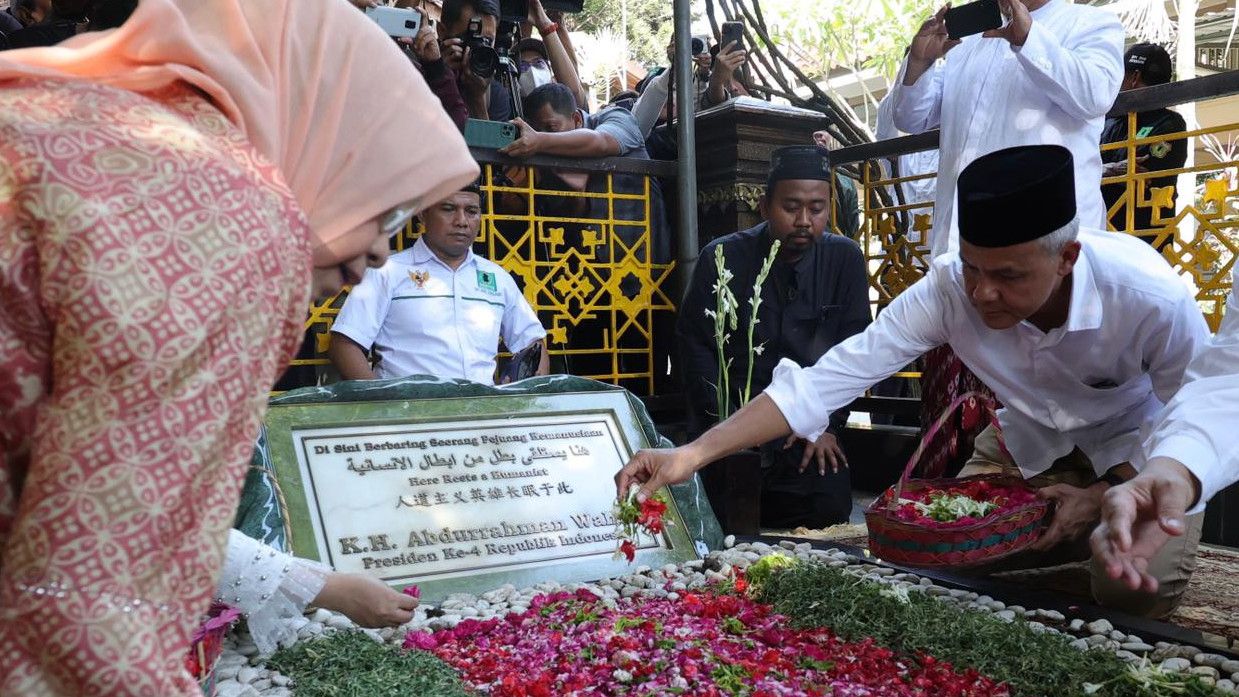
(460, 487)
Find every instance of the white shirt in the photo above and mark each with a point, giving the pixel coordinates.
(1200, 426)
(424, 318)
(989, 95)
(1131, 329)
(917, 191)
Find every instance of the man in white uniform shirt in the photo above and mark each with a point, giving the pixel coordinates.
(1048, 76)
(1193, 453)
(436, 308)
(1082, 335)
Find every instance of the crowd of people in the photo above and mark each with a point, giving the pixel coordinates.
(178, 189)
(1093, 347)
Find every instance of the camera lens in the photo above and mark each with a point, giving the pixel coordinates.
(483, 61)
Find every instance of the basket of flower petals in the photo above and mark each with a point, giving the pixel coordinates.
(954, 522)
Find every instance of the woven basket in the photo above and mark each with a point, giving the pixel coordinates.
(990, 539)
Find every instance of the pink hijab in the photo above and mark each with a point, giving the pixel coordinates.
(316, 86)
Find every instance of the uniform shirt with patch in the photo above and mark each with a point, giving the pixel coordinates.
(423, 318)
(1158, 192)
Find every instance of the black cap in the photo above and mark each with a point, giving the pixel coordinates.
(1151, 61)
(490, 8)
(798, 162)
(530, 44)
(1016, 195)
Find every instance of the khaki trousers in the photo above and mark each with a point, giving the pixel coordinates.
(1172, 567)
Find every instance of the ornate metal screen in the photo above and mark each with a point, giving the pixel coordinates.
(595, 265)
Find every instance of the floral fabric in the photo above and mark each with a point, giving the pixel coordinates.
(153, 279)
(945, 377)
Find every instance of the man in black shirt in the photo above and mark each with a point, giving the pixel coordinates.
(23, 13)
(66, 19)
(816, 295)
(1146, 65)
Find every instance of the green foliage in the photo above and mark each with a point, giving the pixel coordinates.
(813, 595)
(947, 508)
(648, 30)
(351, 664)
(839, 33)
(760, 571)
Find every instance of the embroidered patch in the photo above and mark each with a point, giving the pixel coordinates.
(1159, 150)
(419, 277)
(488, 282)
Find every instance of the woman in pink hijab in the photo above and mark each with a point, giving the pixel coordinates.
(166, 189)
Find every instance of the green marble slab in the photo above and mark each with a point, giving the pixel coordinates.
(376, 509)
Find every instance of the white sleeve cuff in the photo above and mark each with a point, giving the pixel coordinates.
(1037, 49)
(357, 335)
(792, 393)
(1199, 458)
(918, 90)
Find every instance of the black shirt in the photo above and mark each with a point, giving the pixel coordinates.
(44, 34)
(9, 23)
(1159, 156)
(806, 309)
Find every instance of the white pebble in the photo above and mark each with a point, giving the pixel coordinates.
(1176, 665)
(1099, 627)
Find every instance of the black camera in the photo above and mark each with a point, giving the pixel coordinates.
(483, 58)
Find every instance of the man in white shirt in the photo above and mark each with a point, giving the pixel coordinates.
(1193, 453)
(436, 308)
(1082, 335)
(1048, 76)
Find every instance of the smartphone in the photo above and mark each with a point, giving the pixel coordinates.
(489, 134)
(973, 18)
(398, 22)
(733, 31)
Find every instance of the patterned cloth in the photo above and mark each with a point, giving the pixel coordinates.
(153, 280)
(945, 377)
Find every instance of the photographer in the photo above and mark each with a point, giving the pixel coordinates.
(441, 79)
(425, 53)
(557, 127)
(542, 61)
(67, 18)
(484, 96)
(723, 84)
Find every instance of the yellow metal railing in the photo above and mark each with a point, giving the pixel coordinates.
(1199, 236)
(595, 275)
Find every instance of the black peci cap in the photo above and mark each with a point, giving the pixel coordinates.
(798, 162)
(1016, 195)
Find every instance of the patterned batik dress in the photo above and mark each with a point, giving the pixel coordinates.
(153, 281)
